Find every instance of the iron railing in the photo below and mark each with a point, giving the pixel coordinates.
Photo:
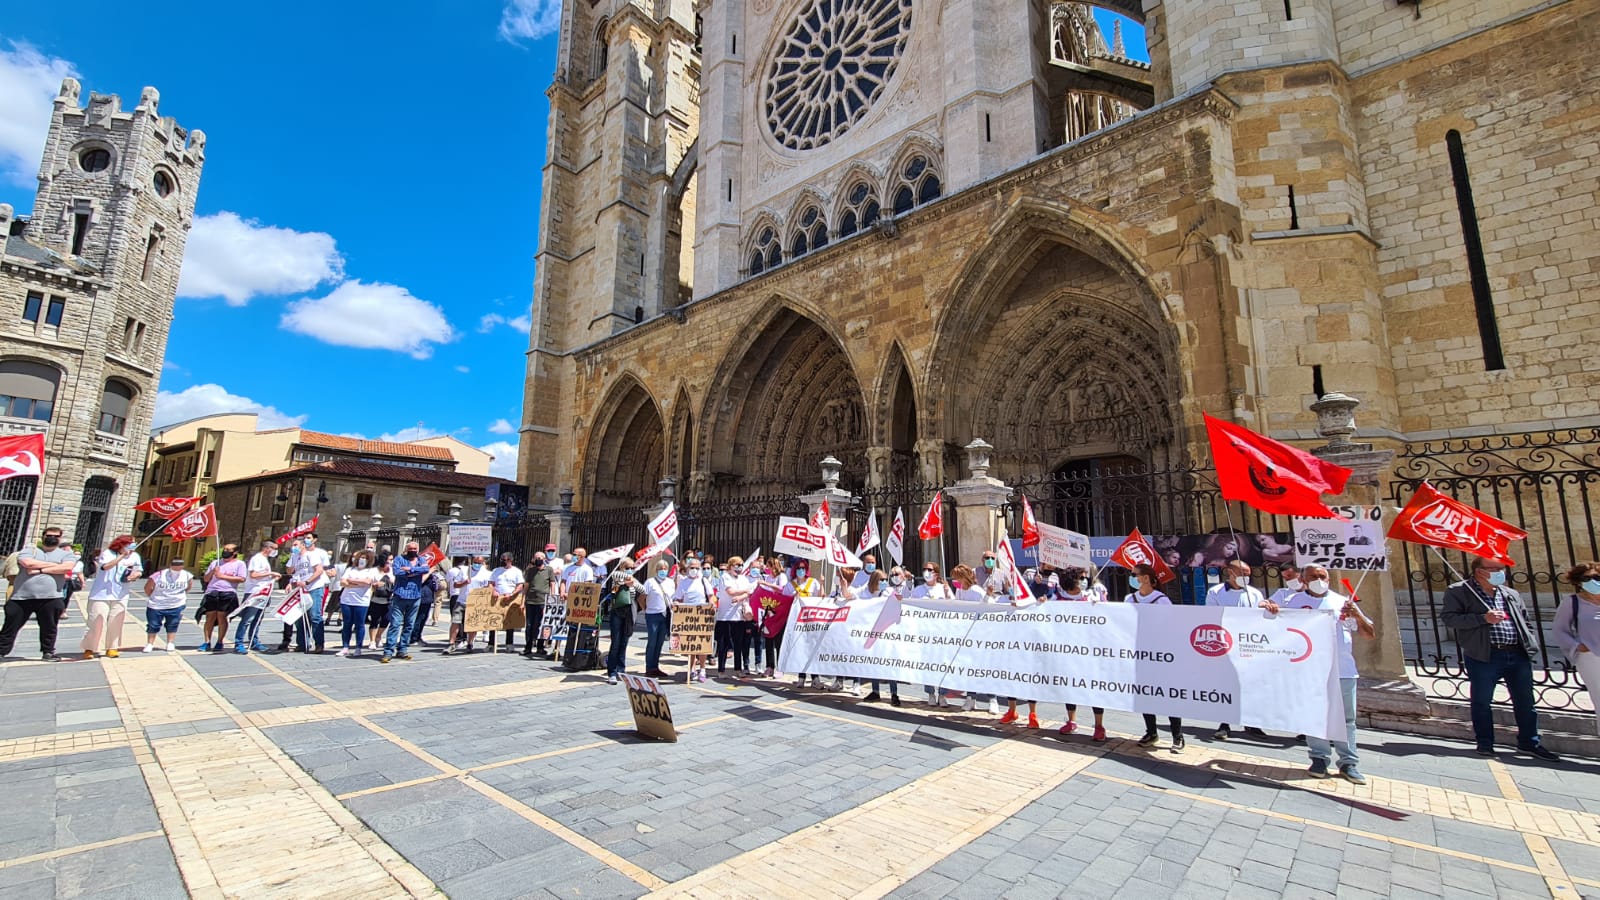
(913, 498)
(521, 535)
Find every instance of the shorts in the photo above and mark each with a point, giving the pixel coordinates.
(219, 601)
(458, 613)
(378, 615)
(162, 620)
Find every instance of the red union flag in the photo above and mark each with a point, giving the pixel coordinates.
(797, 537)
(895, 540)
(299, 531)
(167, 507)
(1270, 475)
(664, 527)
(1136, 551)
(840, 555)
(1021, 595)
(822, 519)
(1437, 520)
(869, 534)
(1030, 525)
(21, 456)
(433, 555)
(932, 524)
(195, 523)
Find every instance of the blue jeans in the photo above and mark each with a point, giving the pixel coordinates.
(249, 629)
(1321, 748)
(423, 610)
(312, 620)
(155, 619)
(402, 617)
(1516, 669)
(655, 628)
(353, 622)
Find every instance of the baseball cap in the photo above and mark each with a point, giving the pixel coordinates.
(549, 546)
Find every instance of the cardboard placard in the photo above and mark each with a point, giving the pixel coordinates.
(1353, 542)
(1061, 548)
(693, 628)
(554, 625)
(583, 603)
(651, 714)
(485, 613)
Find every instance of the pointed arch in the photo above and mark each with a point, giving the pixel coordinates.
(626, 453)
(917, 176)
(896, 420)
(680, 460)
(763, 250)
(808, 225)
(859, 201)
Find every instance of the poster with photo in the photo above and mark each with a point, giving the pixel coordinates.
(1353, 542)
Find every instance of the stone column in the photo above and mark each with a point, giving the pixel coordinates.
(1385, 687)
(979, 500)
(880, 460)
(839, 502)
(561, 522)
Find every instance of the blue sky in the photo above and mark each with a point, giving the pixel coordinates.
(369, 206)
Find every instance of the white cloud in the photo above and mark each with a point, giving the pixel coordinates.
(29, 83)
(529, 19)
(491, 321)
(505, 459)
(210, 399)
(371, 317)
(238, 259)
(463, 370)
(413, 433)
(501, 426)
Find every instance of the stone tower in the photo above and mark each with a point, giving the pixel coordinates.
(93, 272)
(618, 192)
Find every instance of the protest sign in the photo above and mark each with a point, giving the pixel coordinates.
(294, 604)
(652, 717)
(486, 613)
(583, 603)
(770, 607)
(553, 627)
(1353, 541)
(469, 539)
(1060, 548)
(797, 537)
(1215, 664)
(692, 628)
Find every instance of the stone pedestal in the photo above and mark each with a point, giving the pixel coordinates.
(561, 524)
(978, 503)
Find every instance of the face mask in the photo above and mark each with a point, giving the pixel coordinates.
(1136, 582)
(272, 553)
(799, 573)
(361, 564)
(1497, 578)
(988, 564)
(1243, 581)
(930, 577)
(1294, 584)
(51, 540)
(229, 555)
(662, 575)
(1317, 585)
(1591, 586)
(869, 568)
(895, 580)
(411, 554)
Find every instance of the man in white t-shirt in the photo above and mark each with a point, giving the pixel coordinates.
(168, 593)
(579, 571)
(459, 576)
(1236, 590)
(258, 584)
(509, 584)
(1352, 620)
(310, 571)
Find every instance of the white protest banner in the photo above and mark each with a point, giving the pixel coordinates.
(797, 537)
(1063, 549)
(470, 539)
(1214, 664)
(604, 557)
(1353, 541)
(293, 606)
(664, 528)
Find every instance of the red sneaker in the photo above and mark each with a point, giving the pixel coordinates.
(1008, 718)
(1100, 733)
(1033, 721)
(1068, 728)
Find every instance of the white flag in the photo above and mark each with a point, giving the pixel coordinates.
(840, 555)
(606, 556)
(1020, 594)
(664, 528)
(797, 537)
(294, 605)
(895, 541)
(869, 534)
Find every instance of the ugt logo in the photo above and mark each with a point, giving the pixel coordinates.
(1211, 640)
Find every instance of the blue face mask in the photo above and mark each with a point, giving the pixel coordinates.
(1497, 578)
(869, 568)
(1135, 582)
(662, 575)
(1591, 586)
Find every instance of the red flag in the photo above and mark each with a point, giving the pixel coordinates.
(301, 530)
(195, 523)
(1270, 475)
(1437, 520)
(821, 519)
(433, 555)
(1136, 551)
(167, 507)
(932, 524)
(776, 604)
(1030, 525)
(1021, 595)
(22, 455)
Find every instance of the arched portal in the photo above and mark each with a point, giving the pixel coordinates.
(627, 450)
(788, 399)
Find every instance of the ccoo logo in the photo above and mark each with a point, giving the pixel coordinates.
(1211, 640)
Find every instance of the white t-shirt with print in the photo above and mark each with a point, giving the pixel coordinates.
(169, 590)
(109, 583)
(307, 562)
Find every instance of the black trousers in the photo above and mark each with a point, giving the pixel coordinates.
(1173, 721)
(774, 645)
(726, 635)
(45, 610)
(531, 632)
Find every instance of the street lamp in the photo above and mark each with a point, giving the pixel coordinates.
(322, 493)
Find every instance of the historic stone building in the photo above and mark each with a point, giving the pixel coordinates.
(86, 291)
(778, 229)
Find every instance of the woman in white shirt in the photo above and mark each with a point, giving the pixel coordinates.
(733, 612)
(844, 592)
(801, 586)
(167, 592)
(657, 589)
(694, 590)
(108, 596)
(931, 588)
(889, 589)
(1143, 582)
(355, 598)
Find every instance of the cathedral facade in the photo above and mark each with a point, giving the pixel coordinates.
(774, 230)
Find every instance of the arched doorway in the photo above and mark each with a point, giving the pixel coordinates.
(627, 452)
(790, 398)
(16, 502)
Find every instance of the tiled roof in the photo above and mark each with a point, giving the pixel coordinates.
(353, 470)
(383, 448)
(43, 257)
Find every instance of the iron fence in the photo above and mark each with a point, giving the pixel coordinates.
(912, 499)
(521, 535)
(725, 528)
(1546, 483)
(602, 529)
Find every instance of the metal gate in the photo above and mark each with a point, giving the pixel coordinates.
(1546, 483)
(522, 536)
(913, 498)
(90, 531)
(16, 502)
(725, 528)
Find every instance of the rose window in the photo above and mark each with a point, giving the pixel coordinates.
(831, 66)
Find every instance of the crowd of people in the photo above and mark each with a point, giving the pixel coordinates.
(383, 600)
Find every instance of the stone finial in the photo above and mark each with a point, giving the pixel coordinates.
(197, 141)
(1118, 48)
(491, 508)
(377, 521)
(71, 90)
(830, 472)
(411, 517)
(455, 511)
(1336, 421)
(669, 488)
(149, 99)
(978, 458)
(6, 214)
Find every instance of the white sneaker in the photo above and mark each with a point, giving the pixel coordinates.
(171, 646)
(149, 648)
(343, 651)
(800, 682)
(994, 707)
(938, 700)
(855, 689)
(970, 705)
(611, 679)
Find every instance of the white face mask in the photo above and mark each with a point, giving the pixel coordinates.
(361, 564)
(930, 577)
(1317, 585)
(1294, 584)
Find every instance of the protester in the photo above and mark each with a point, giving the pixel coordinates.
(1143, 583)
(42, 571)
(625, 599)
(656, 592)
(432, 587)
(1237, 591)
(1494, 632)
(309, 570)
(380, 601)
(1578, 628)
(773, 622)
(1291, 584)
(166, 594)
(222, 579)
(964, 581)
(258, 585)
(802, 586)
(117, 565)
(1073, 590)
(1042, 584)
(355, 598)
(888, 589)
(539, 579)
(844, 593)
(409, 570)
(482, 577)
(460, 575)
(509, 587)
(733, 611)
(1317, 595)
(694, 590)
(931, 588)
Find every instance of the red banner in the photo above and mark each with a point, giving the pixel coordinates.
(300, 530)
(1030, 525)
(433, 556)
(21, 456)
(167, 507)
(1136, 551)
(932, 524)
(775, 604)
(822, 519)
(1437, 520)
(1270, 475)
(195, 523)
